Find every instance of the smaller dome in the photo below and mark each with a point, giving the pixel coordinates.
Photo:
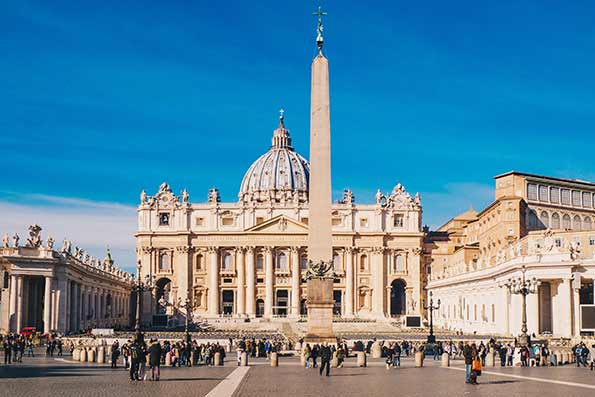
(279, 175)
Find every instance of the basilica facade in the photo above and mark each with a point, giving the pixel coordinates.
(248, 258)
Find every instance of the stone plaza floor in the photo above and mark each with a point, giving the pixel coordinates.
(41, 376)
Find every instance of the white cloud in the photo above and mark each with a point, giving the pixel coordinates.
(90, 225)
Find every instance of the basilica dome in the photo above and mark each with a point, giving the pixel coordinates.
(280, 175)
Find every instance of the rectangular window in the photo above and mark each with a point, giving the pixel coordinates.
(200, 221)
(304, 220)
(565, 196)
(558, 242)
(398, 220)
(587, 200)
(259, 220)
(576, 198)
(336, 221)
(531, 191)
(363, 222)
(227, 221)
(543, 193)
(163, 218)
(260, 280)
(555, 195)
(591, 240)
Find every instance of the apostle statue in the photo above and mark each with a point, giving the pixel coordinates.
(185, 196)
(65, 247)
(34, 240)
(5, 241)
(50, 242)
(143, 197)
(15, 240)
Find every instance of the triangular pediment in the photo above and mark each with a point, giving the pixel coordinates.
(280, 224)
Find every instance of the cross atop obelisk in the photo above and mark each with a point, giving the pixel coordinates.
(319, 37)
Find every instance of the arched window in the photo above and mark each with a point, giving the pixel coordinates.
(259, 263)
(227, 261)
(545, 219)
(200, 264)
(363, 263)
(555, 224)
(587, 223)
(576, 223)
(164, 262)
(282, 262)
(303, 262)
(566, 221)
(398, 264)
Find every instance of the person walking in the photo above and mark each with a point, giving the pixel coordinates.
(397, 355)
(307, 351)
(7, 346)
(135, 357)
(155, 359)
(325, 359)
(468, 355)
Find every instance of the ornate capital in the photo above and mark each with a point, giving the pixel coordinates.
(378, 250)
(416, 251)
(147, 250)
(295, 250)
(250, 250)
(239, 250)
(183, 249)
(350, 250)
(267, 250)
(212, 250)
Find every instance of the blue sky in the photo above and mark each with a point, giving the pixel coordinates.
(102, 99)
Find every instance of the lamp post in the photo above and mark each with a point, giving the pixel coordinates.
(188, 308)
(139, 287)
(431, 307)
(522, 286)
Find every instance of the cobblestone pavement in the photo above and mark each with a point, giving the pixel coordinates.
(43, 376)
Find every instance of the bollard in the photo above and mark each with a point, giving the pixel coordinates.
(244, 359)
(108, 354)
(419, 359)
(192, 357)
(100, 355)
(565, 357)
(83, 355)
(274, 360)
(334, 360)
(167, 359)
(76, 354)
(376, 351)
(361, 359)
(303, 359)
(91, 355)
(558, 357)
(445, 360)
(490, 359)
(218, 359)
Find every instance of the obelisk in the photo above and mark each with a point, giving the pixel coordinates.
(320, 249)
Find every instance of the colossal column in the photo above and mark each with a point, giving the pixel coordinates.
(213, 282)
(378, 281)
(320, 249)
(269, 275)
(241, 308)
(295, 282)
(250, 282)
(349, 282)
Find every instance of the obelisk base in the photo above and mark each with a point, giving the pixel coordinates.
(320, 311)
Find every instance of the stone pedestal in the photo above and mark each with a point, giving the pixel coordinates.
(167, 359)
(419, 359)
(320, 311)
(91, 355)
(218, 359)
(558, 357)
(361, 359)
(244, 359)
(83, 355)
(274, 360)
(302, 359)
(445, 360)
(76, 354)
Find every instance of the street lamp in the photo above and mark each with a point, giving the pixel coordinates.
(188, 307)
(522, 286)
(140, 286)
(431, 307)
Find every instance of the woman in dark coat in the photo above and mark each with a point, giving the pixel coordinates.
(155, 359)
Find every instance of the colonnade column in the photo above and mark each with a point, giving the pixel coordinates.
(414, 267)
(533, 314)
(250, 282)
(47, 305)
(213, 282)
(13, 304)
(268, 270)
(241, 306)
(349, 282)
(19, 311)
(563, 311)
(296, 278)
